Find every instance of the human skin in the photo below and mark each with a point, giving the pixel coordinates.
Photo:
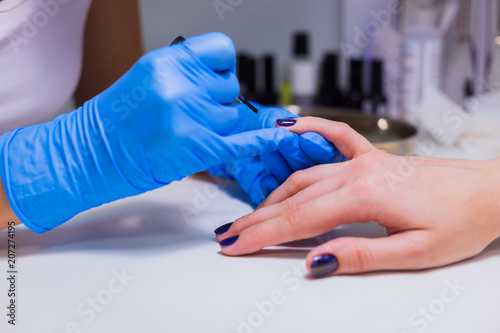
(436, 211)
(112, 45)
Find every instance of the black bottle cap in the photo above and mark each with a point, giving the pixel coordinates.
(468, 88)
(331, 57)
(251, 77)
(241, 65)
(267, 93)
(355, 96)
(377, 77)
(329, 93)
(246, 74)
(329, 72)
(301, 44)
(269, 72)
(356, 75)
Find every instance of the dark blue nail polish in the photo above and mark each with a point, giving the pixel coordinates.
(286, 122)
(223, 229)
(229, 241)
(324, 264)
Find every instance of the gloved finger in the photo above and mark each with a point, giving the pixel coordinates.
(251, 176)
(216, 50)
(269, 116)
(220, 119)
(227, 119)
(284, 162)
(276, 166)
(223, 87)
(347, 255)
(249, 173)
(267, 185)
(290, 158)
(296, 158)
(238, 118)
(349, 142)
(291, 155)
(212, 68)
(252, 143)
(266, 118)
(319, 150)
(208, 66)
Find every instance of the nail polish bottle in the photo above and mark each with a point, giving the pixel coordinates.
(468, 88)
(354, 98)
(376, 102)
(267, 94)
(247, 76)
(329, 93)
(303, 72)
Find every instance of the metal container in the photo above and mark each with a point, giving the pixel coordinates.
(394, 136)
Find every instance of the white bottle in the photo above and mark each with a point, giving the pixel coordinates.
(422, 57)
(303, 72)
(495, 68)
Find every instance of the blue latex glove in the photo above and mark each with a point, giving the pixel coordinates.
(165, 119)
(260, 175)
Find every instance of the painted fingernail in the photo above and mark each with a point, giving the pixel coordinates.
(223, 229)
(324, 264)
(286, 122)
(229, 241)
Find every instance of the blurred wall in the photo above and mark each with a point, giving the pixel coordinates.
(256, 26)
(260, 26)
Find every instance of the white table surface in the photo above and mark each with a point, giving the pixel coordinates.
(182, 283)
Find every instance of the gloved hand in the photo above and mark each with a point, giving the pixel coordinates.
(165, 119)
(258, 176)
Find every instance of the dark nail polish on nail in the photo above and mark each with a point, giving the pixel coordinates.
(229, 241)
(223, 229)
(324, 264)
(286, 122)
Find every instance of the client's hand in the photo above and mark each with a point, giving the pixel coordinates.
(436, 211)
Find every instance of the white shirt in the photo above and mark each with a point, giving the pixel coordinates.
(41, 50)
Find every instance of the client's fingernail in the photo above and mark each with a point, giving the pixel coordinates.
(286, 122)
(229, 241)
(324, 264)
(223, 229)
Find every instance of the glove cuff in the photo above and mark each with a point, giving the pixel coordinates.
(5, 171)
(55, 170)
